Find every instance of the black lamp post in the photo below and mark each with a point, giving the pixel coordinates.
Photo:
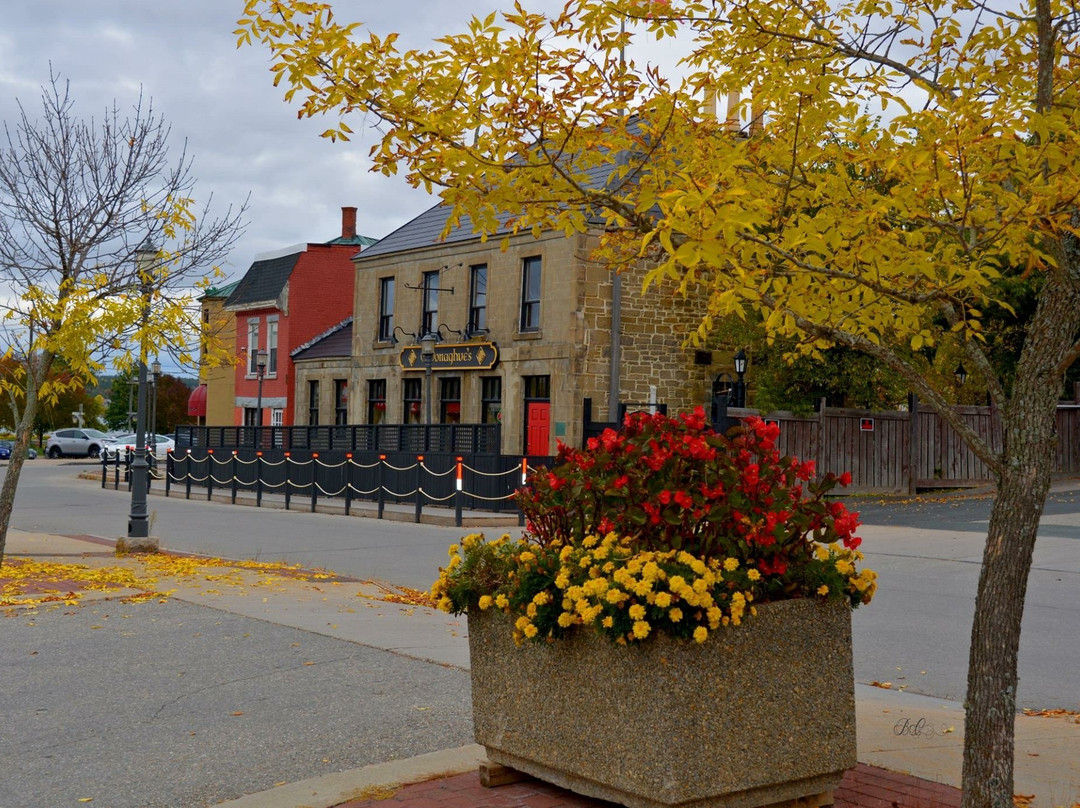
(138, 536)
(261, 358)
(961, 375)
(427, 353)
(740, 385)
(155, 375)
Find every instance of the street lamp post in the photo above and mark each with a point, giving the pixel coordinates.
(427, 353)
(155, 375)
(138, 536)
(740, 385)
(261, 359)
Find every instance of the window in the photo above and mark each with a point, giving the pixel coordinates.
(253, 346)
(413, 391)
(530, 294)
(376, 401)
(450, 400)
(271, 346)
(386, 309)
(430, 323)
(313, 401)
(251, 416)
(341, 401)
(478, 300)
(490, 399)
(206, 315)
(537, 388)
(277, 417)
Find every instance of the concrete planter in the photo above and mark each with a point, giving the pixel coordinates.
(759, 715)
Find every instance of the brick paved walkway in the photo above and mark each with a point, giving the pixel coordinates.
(862, 787)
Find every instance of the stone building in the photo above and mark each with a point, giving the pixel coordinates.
(524, 335)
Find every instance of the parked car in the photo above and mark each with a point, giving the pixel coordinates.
(75, 442)
(123, 443)
(7, 445)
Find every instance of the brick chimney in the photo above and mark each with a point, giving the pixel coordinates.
(348, 223)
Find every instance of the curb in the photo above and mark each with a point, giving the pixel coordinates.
(334, 789)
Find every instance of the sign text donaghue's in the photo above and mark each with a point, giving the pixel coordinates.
(463, 356)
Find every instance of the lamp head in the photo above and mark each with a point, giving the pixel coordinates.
(961, 374)
(155, 368)
(427, 345)
(261, 359)
(740, 362)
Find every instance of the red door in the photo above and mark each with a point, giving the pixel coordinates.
(537, 427)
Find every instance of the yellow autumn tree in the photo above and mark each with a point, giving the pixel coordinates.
(101, 247)
(896, 161)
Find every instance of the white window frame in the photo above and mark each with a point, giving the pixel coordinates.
(253, 346)
(272, 346)
(277, 417)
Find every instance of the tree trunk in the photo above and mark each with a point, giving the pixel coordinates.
(23, 430)
(1030, 442)
(995, 634)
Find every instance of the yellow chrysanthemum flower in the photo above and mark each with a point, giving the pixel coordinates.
(566, 619)
(502, 601)
(663, 599)
(675, 615)
(637, 611)
(542, 597)
(641, 629)
(530, 631)
(753, 575)
(823, 590)
(485, 602)
(700, 634)
(731, 564)
(607, 622)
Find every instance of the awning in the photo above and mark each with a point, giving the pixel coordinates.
(196, 403)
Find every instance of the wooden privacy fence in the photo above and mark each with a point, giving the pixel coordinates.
(900, 452)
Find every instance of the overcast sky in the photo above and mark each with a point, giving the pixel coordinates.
(244, 138)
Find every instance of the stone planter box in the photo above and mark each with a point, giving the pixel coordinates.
(761, 714)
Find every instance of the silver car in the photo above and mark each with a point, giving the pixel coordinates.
(77, 442)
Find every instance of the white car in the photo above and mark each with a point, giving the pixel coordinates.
(159, 445)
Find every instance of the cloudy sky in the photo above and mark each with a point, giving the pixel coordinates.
(244, 138)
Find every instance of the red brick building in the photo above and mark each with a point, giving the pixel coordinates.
(285, 300)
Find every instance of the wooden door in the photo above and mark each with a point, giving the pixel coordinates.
(537, 427)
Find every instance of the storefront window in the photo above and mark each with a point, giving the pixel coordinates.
(412, 400)
(376, 406)
(450, 400)
(490, 399)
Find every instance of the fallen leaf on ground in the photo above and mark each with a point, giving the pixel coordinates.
(883, 685)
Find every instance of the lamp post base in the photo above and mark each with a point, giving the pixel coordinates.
(137, 544)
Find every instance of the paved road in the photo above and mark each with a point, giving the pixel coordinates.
(52, 499)
(914, 635)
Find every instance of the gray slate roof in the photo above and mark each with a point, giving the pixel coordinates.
(263, 281)
(333, 343)
(424, 230)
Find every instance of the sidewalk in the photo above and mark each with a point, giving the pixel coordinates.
(909, 746)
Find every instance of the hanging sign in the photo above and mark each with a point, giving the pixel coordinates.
(866, 424)
(463, 356)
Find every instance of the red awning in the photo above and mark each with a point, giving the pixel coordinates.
(196, 403)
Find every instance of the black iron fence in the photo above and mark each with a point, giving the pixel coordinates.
(463, 439)
(301, 479)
